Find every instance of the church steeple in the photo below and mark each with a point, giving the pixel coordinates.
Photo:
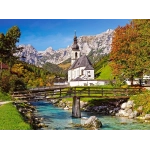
(75, 45)
(75, 54)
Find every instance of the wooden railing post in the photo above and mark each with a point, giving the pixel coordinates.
(88, 91)
(75, 91)
(60, 92)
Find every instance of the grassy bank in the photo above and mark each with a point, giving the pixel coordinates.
(10, 119)
(4, 97)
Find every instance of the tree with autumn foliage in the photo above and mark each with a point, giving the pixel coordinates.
(8, 45)
(130, 54)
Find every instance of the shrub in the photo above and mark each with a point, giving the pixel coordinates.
(142, 99)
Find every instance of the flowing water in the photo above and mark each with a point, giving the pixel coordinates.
(60, 119)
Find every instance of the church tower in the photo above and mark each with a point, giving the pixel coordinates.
(75, 53)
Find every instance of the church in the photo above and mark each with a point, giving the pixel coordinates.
(81, 71)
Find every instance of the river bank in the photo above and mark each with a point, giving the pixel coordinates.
(28, 112)
(120, 108)
(103, 107)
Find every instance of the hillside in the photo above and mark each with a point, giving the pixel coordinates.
(55, 69)
(101, 67)
(105, 73)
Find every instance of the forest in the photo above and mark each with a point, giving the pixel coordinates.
(19, 75)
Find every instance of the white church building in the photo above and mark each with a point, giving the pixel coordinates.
(81, 71)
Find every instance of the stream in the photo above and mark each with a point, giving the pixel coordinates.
(60, 119)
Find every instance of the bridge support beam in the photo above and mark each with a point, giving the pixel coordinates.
(76, 107)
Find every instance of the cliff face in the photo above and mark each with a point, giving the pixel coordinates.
(96, 45)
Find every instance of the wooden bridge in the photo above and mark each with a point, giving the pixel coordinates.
(76, 93)
(64, 92)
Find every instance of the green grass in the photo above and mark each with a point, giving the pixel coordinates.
(11, 119)
(4, 97)
(106, 73)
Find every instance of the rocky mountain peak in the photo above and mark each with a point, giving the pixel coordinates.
(90, 45)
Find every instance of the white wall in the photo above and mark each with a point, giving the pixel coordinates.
(134, 82)
(89, 72)
(74, 73)
(86, 82)
(73, 58)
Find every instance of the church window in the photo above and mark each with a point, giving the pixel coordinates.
(76, 55)
(82, 72)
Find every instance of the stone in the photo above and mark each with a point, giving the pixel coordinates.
(129, 104)
(147, 117)
(132, 115)
(129, 111)
(93, 123)
(126, 114)
(124, 105)
(66, 108)
(135, 113)
(81, 104)
(140, 109)
(121, 112)
(126, 109)
(148, 121)
(117, 115)
(28, 115)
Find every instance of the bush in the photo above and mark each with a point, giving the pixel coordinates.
(10, 82)
(143, 100)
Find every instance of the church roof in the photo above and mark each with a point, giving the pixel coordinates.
(83, 61)
(78, 79)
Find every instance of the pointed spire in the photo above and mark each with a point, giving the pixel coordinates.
(75, 45)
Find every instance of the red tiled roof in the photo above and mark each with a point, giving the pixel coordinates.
(3, 66)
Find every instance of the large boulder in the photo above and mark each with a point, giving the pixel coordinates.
(147, 117)
(82, 104)
(122, 113)
(92, 123)
(124, 105)
(129, 104)
(133, 114)
(129, 111)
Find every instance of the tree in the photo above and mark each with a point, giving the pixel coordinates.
(131, 49)
(8, 45)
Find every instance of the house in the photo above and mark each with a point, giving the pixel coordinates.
(3, 66)
(60, 81)
(81, 71)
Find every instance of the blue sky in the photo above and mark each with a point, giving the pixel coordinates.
(57, 33)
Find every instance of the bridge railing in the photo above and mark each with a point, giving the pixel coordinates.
(77, 91)
(94, 92)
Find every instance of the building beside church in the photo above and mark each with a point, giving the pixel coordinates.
(81, 71)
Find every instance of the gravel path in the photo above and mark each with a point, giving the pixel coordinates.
(2, 103)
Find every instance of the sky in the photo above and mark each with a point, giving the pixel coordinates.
(57, 33)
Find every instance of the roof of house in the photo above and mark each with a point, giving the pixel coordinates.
(83, 61)
(3, 66)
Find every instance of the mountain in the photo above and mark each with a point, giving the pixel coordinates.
(93, 46)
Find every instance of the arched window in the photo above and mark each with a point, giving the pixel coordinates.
(76, 55)
(82, 72)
